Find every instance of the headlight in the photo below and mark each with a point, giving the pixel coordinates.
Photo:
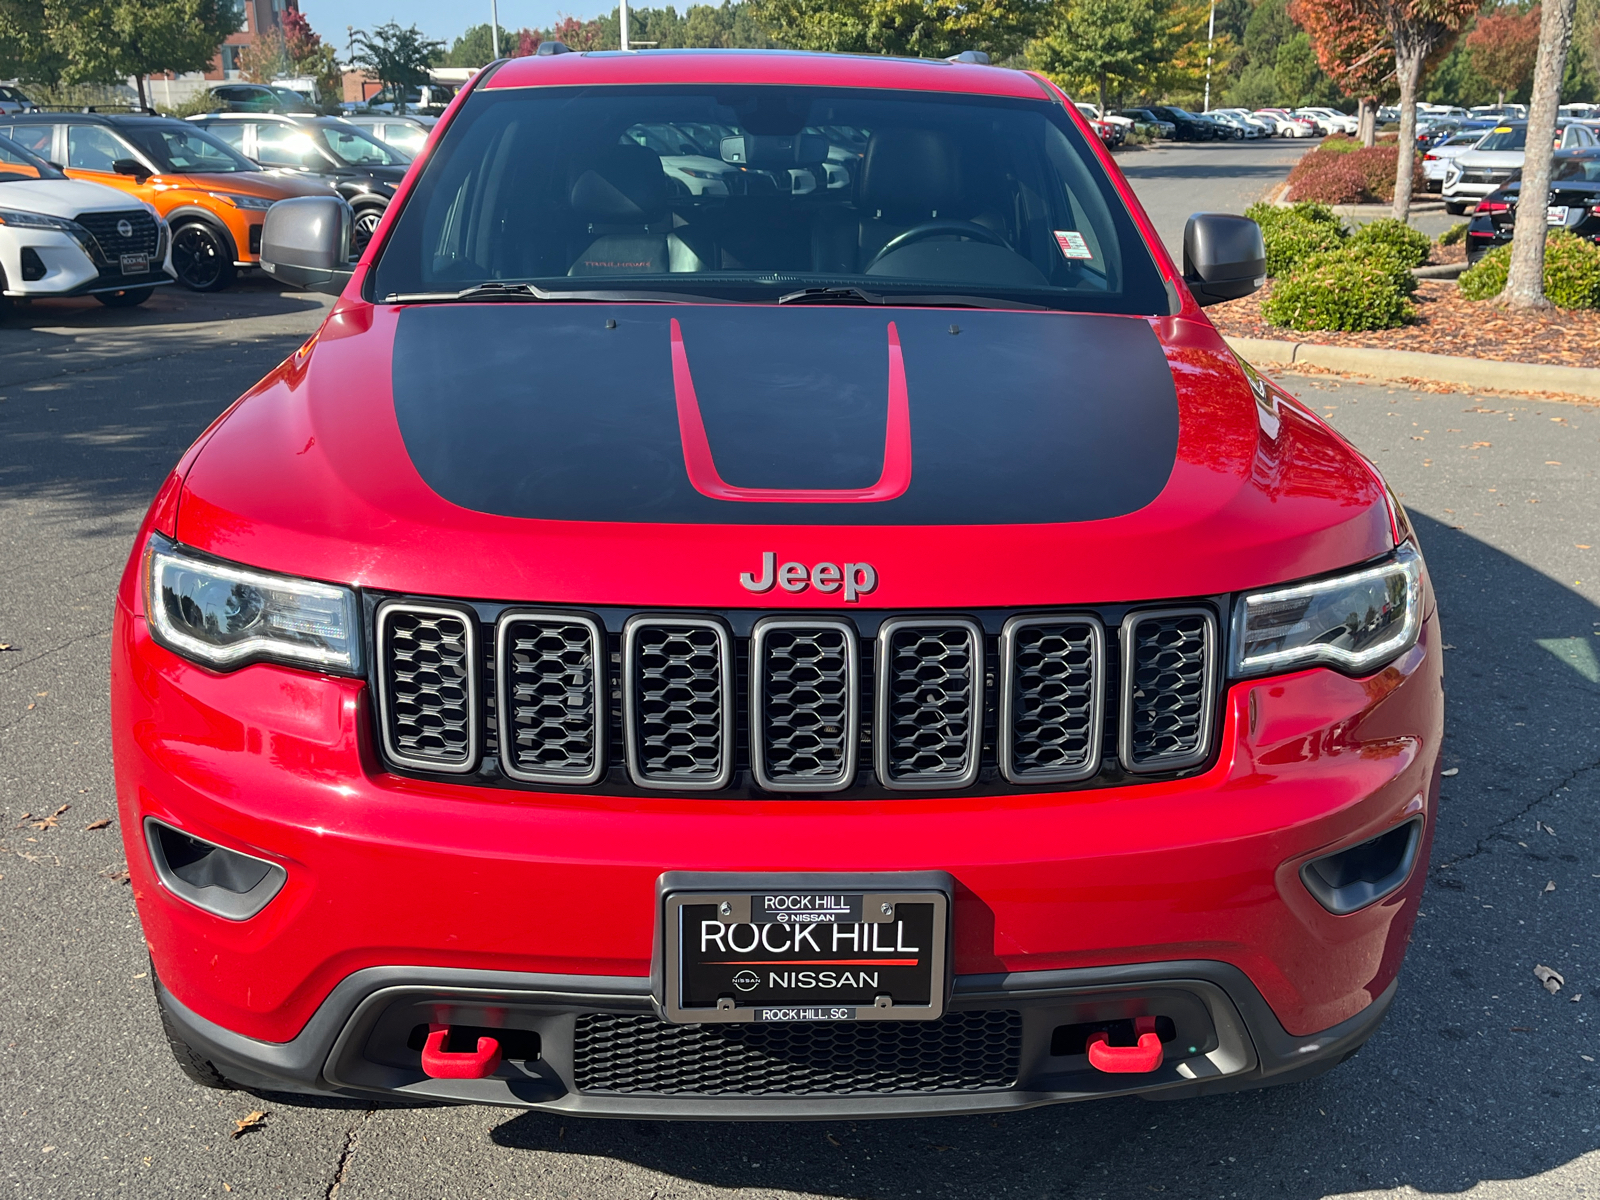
(1354, 622)
(225, 616)
(33, 220)
(253, 203)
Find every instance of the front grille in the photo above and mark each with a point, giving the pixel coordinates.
(929, 703)
(103, 226)
(1168, 665)
(961, 1052)
(809, 703)
(428, 689)
(676, 702)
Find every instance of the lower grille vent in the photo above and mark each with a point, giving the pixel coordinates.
(961, 1052)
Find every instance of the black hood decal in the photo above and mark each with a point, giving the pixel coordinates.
(540, 411)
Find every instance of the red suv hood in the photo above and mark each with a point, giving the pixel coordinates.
(650, 454)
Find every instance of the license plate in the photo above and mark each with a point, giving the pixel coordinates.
(1556, 214)
(805, 954)
(135, 264)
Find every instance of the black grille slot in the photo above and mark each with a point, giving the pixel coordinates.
(1052, 672)
(106, 229)
(929, 712)
(428, 686)
(961, 1052)
(677, 702)
(545, 671)
(1169, 677)
(804, 694)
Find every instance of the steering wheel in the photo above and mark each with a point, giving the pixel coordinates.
(931, 229)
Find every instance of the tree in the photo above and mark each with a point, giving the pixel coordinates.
(1525, 278)
(1353, 48)
(104, 40)
(1503, 47)
(397, 58)
(292, 49)
(1114, 46)
(27, 50)
(925, 28)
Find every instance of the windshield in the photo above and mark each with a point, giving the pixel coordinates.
(292, 101)
(1505, 137)
(356, 148)
(17, 164)
(756, 193)
(1586, 170)
(180, 148)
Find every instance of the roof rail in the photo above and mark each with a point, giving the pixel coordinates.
(553, 48)
(980, 57)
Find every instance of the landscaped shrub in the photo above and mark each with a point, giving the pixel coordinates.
(1571, 273)
(1296, 232)
(1409, 245)
(1454, 234)
(1338, 143)
(1338, 291)
(1396, 269)
(1331, 175)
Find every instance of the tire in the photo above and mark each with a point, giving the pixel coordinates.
(127, 298)
(201, 257)
(1238, 135)
(362, 228)
(198, 1069)
(1454, 207)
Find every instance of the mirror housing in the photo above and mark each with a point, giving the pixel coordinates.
(1224, 257)
(305, 242)
(131, 166)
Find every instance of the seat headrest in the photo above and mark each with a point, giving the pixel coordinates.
(910, 173)
(625, 185)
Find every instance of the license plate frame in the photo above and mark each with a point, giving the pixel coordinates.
(135, 264)
(1556, 214)
(696, 970)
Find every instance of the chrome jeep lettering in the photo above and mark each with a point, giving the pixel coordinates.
(856, 579)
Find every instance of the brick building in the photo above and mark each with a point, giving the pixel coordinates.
(256, 17)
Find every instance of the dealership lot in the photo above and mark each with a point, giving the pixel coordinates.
(1479, 1079)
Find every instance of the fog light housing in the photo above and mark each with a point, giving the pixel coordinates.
(1359, 875)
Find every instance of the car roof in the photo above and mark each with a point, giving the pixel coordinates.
(82, 118)
(791, 67)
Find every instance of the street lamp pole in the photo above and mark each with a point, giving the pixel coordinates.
(1211, 37)
(494, 26)
(623, 13)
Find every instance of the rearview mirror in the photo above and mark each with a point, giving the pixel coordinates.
(305, 242)
(1224, 257)
(131, 166)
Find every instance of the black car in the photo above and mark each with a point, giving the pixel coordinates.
(1191, 127)
(1574, 204)
(362, 169)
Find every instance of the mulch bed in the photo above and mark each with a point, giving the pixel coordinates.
(1445, 324)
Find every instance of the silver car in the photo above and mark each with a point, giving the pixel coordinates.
(1497, 159)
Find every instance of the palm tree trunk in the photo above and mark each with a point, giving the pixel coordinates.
(1408, 61)
(1525, 280)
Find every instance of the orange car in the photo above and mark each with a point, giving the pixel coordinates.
(214, 198)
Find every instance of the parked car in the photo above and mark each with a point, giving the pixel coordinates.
(1330, 120)
(355, 164)
(60, 237)
(1573, 205)
(1187, 126)
(430, 99)
(1495, 160)
(771, 512)
(1287, 124)
(259, 98)
(1504, 112)
(1437, 132)
(213, 198)
(408, 134)
(1120, 125)
(15, 100)
(1437, 160)
(1143, 118)
(1242, 125)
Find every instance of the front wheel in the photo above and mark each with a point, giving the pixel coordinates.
(126, 298)
(201, 258)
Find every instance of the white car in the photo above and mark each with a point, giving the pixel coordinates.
(1330, 120)
(1437, 160)
(1287, 125)
(1241, 118)
(53, 231)
(1497, 159)
(1091, 113)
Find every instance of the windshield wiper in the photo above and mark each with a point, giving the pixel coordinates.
(832, 295)
(528, 291)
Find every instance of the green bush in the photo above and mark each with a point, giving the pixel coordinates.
(1296, 232)
(1396, 269)
(1341, 290)
(1571, 273)
(1409, 245)
(1454, 234)
(1338, 143)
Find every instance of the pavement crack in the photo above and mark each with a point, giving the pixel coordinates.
(352, 1135)
(1498, 830)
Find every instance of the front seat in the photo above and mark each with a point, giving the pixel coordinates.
(908, 176)
(625, 198)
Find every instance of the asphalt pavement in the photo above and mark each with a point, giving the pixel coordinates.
(1480, 1081)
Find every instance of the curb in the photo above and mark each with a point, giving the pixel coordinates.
(1441, 271)
(1398, 366)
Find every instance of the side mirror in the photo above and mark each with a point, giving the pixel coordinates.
(305, 242)
(1224, 257)
(131, 166)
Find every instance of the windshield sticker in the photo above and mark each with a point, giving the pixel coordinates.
(1072, 244)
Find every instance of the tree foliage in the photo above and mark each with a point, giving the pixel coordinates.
(1503, 47)
(397, 58)
(919, 28)
(103, 40)
(1112, 47)
(292, 49)
(1352, 44)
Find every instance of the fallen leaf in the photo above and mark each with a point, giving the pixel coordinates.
(47, 823)
(1549, 887)
(1576, 997)
(1581, 546)
(251, 1122)
(6, 646)
(1450, 771)
(1587, 1057)
(1541, 825)
(226, 1188)
(1552, 980)
(834, 1140)
(115, 876)
(61, 810)
(1476, 445)
(1521, 1029)
(46, 1150)
(100, 824)
(31, 707)
(26, 817)
(1550, 462)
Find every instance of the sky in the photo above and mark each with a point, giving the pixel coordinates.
(443, 21)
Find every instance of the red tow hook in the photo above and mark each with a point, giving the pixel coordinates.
(439, 1063)
(1127, 1060)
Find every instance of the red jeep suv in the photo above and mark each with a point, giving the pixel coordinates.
(768, 598)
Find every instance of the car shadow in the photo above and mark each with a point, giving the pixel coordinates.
(252, 294)
(1477, 1073)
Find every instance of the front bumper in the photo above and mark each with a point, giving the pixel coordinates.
(67, 268)
(361, 1041)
